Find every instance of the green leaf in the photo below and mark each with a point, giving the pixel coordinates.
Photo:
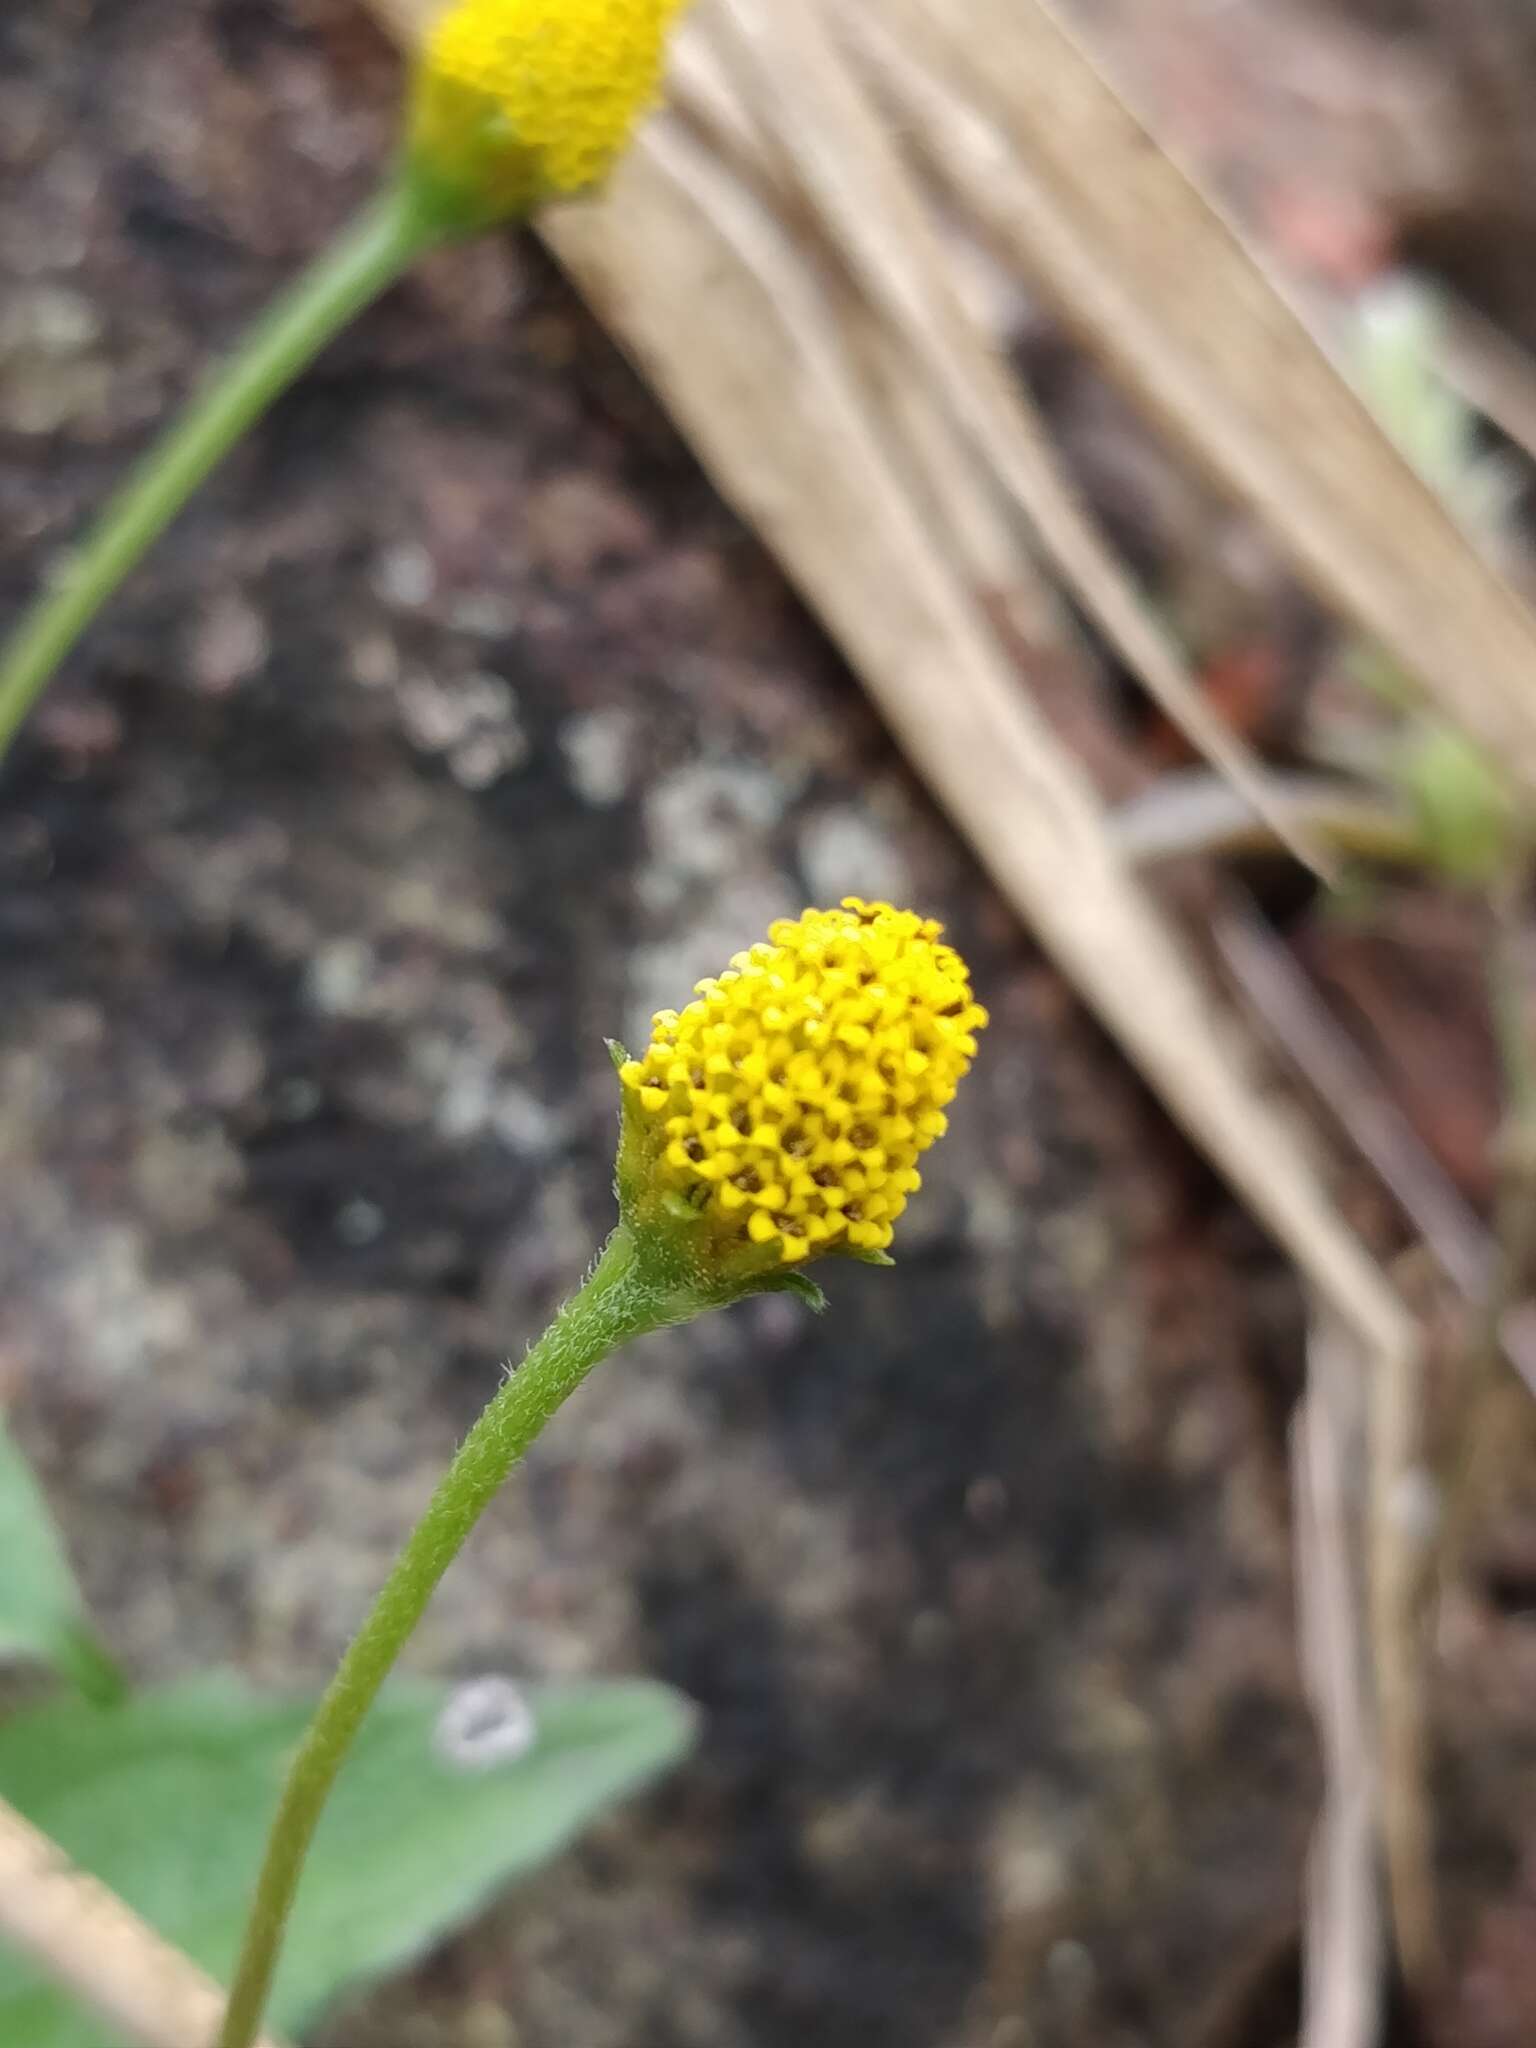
(168, 1800)
(42, 1615)
(1462, 803)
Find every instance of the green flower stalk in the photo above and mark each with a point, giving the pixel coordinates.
(774, 1120)
(513, 103)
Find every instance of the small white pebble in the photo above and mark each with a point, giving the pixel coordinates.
(406, 576)
(360, 1222)
(486, 1721)
(597, 749)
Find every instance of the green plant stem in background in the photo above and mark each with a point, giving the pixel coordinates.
(367, 257)
(628, 1293)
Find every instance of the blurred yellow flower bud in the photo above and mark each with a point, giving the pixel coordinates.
(519, 101)
(783, 1112)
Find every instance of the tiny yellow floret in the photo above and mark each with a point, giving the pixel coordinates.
(539, 96)
(791, 1100)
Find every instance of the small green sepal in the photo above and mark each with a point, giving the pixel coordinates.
(798, 1284)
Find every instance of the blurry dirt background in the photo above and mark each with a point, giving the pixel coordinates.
(457, 728)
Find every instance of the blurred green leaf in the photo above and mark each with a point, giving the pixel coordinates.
(42, 1615)
(1399, 330)
(1463, 805)
(168, 1799)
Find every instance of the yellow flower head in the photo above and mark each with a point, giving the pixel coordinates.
(525, 100)
(789, 1103)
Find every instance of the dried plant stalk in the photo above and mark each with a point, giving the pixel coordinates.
(1042, 154)
(840, 155)
(1342, 1949)
(83, 1937)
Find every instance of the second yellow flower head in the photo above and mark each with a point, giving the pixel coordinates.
(529, 100)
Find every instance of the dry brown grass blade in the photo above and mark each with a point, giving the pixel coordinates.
(1490, 369)
(1342, 1950)
(969, 525)
(832, 144)
(1341, 1076)
(84, 1938)
(1044, 155)
(1397, 1575)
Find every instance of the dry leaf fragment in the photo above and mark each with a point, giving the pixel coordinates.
(1041, 152)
